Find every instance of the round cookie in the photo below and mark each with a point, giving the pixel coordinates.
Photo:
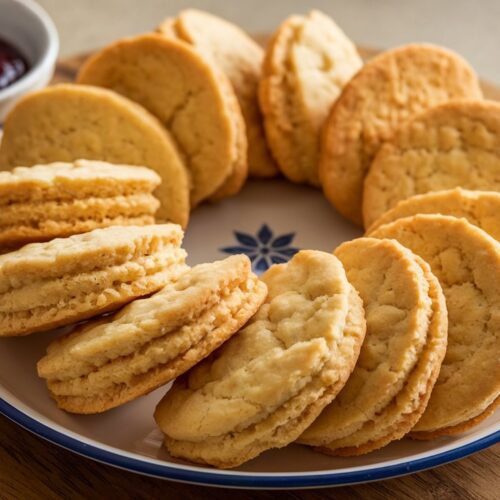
(66, 280)
(400, 358)
(389, 89)
(110, 361)
(67, 122)
(308, 61)
(240, 59)
(60, 199)
(189, 96)
(480, 208)
(456, 144)
(272, 379)
(466, 260)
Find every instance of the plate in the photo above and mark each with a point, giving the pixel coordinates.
(268, 221)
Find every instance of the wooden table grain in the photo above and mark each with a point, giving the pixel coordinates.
(32, 469)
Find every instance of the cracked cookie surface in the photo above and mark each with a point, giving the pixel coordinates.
(480, 208)
(60, 282)
(68, 122)
(60, 199)
(240, 59)
(400, 357)
(189, 96)
(270, 381)
(388, 90)
(307, 63)
(466, 261)
(453, 145)
(110, 361)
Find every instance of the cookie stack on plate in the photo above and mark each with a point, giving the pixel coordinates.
(394, 334)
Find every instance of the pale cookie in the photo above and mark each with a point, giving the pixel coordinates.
(400, 359)
(189, 96)
(456, 144)
(272, 379)
(150, 342)
(240, 59)
(307, 63)
(387, 91)
(53, 284)
(60, 199)
(481, 208)
(466, 260)
(67, 122)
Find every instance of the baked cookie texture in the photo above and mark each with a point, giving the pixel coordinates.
(466, 260)
(63, 281)
(456, 144)
(271, 380)
(190, 97)
(481, 208)
(400, 358)
(151, 341)
(307, 63)
(60, 199)
(68, 122)
(240, 58)
(388, 90)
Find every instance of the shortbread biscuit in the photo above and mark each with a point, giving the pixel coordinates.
(456, 144)
(272, 379)
(466, 260)
(307, 63)
(67, 122)
(240, 59)
(481, 208)
(189, 96)
(60, 199)
(53, 284)
(400, 359)
(108, 362)
(388, 90)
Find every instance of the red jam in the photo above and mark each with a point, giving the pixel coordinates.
(13, 64)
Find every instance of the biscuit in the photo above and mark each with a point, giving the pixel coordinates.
(456, 144)
(388, 90)
(480, 208)
(189, 96)
(466, 260)
(272, 379)
(110, 361)
(67, 122)
(60, 282)
(307, 62)
(400, 358)
(240, 59)
(60, 199)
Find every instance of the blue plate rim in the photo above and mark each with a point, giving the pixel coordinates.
(242, 480)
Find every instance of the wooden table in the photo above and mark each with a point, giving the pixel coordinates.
(31, 468)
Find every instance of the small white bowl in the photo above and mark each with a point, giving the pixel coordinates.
(25, 25)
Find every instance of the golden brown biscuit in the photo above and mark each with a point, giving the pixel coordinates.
(388, 90)
(466, 260)
(68, 122)
(190, 97)
(307, 63)
(110, 361)
(240, 59)
(456, 144)
(66, 280)
(60, 199)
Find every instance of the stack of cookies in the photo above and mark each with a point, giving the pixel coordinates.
(394, 334)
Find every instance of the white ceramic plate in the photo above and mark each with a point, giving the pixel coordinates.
(269, 221)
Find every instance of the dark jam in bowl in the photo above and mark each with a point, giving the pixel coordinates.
(13, 64)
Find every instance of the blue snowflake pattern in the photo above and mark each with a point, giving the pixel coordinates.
(264, 249)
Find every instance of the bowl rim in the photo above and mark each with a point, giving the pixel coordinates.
(45, 62)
